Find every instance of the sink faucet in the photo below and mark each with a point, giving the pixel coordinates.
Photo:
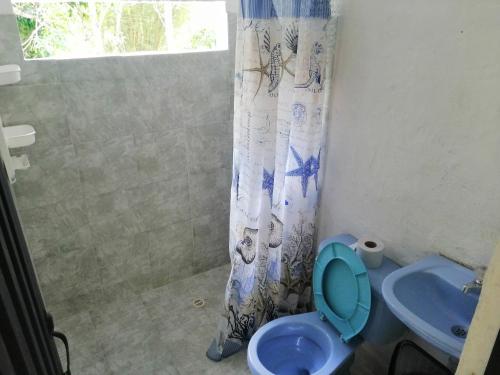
(477, 283)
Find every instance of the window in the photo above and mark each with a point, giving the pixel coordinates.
(68, 29)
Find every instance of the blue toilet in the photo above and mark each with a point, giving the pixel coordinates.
(350, 308)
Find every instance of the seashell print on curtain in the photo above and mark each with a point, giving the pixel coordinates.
(284, 56)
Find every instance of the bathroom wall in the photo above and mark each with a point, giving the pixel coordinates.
(413, 143)
(129, 181)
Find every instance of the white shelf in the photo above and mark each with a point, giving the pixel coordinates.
(9, 74)
(19, 135)
(12, 137)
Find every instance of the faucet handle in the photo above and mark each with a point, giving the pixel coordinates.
(480, 271)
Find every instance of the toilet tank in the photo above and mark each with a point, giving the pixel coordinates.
(382, 326)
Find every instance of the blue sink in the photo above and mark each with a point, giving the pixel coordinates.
(427, 297)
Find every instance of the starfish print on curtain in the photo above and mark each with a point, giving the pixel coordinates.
(309, 168)
(284, 57)
(275, 66)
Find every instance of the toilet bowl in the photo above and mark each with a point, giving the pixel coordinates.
(323, 342)
(298, 345)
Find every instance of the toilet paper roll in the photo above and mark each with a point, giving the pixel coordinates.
(371, 252)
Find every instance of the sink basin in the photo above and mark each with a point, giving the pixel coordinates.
(427, 297)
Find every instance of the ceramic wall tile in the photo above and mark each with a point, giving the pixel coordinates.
(209, 146)
(125, 259)
(171, 253)
(44, 100)
(56, 229)
(130, 172)
(111, 217)
(96, 98)
(209, 191)
(211, 241)
(50, 132)
(98, 69)
(10, 44)
(160, 203)
(107, 165)
(65, 276)
(12, 106)
(37, 188)
(39, 72)
(161, 156)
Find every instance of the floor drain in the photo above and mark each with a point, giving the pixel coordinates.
(199, 302)
(459, 331)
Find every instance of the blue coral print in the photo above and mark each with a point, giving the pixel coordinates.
(268, 183)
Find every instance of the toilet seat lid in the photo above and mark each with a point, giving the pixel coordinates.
(342, 289)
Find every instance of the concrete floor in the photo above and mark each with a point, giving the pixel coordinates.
(158, 332)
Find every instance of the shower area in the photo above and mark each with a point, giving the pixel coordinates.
(125, 205)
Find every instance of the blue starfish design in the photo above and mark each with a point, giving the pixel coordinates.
(236, 181)
(268, 183)
(305, 170)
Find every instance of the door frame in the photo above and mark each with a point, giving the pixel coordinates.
(26, 342)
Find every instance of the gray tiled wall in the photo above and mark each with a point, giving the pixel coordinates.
(129, 181)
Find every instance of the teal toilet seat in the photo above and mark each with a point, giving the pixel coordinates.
(342, 289)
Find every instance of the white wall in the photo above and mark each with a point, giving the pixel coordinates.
(5, 7)
(414, 138)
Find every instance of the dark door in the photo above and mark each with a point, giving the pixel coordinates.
(26, 343)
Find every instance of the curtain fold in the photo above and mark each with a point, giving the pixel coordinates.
(284, 56)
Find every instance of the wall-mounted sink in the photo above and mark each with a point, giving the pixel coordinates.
(427, 296)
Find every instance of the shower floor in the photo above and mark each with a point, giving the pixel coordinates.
(159, 332)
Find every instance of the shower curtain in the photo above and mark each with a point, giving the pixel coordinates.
(284, 55)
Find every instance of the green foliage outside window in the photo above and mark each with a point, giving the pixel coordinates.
(78, 29)
(205, 38)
